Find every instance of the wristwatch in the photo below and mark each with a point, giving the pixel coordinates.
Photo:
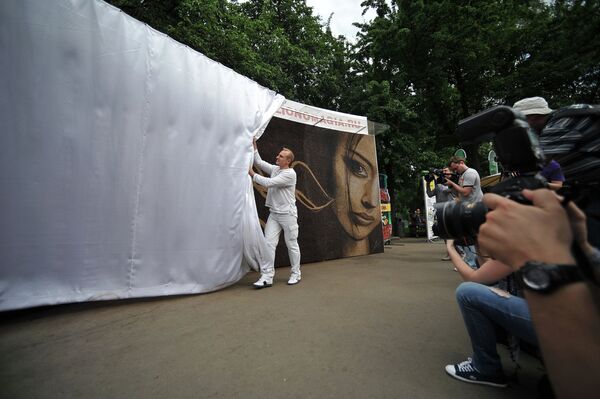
(546, 277)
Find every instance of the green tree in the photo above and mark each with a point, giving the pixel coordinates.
(419, 66)
(561, 58)
(279, 43)
(444, 61)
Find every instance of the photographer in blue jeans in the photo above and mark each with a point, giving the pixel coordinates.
(534, 245)
(561, 284)
(488, 298)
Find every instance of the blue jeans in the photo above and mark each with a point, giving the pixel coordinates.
(469, 254)
(482, 309)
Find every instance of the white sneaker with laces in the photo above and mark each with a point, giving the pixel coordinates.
(263, 282)
(294, 279)
(466, 372)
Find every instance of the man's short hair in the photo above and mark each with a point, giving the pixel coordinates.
(290, 154)
(456, 159)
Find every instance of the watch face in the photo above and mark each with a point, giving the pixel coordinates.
(537, 279)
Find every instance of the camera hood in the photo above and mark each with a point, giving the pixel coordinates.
(485, 124)
(517, 147)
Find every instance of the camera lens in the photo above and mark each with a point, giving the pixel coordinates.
(458, 219)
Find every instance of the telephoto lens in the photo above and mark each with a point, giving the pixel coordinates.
(458, 219)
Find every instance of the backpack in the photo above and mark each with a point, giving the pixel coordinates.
(572, 138)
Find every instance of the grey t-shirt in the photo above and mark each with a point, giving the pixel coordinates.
(470, 178)
(442, 193)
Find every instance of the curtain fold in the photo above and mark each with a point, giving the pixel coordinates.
(123, 158)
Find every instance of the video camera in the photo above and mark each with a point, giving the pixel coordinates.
(519, 151)
(439, 177)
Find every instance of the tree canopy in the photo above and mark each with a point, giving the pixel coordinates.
(418, 66)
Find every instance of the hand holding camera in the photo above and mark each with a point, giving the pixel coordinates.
(515, 233)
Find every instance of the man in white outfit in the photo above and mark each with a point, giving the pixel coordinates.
(281, 201)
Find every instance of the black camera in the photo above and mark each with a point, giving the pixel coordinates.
(517, 149)
(440, 177)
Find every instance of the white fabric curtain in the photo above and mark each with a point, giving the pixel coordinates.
(256, 252)
(123, 158)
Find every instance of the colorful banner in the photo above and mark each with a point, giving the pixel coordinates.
(337, 193)
(328, 119)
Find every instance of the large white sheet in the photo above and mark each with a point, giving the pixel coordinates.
(123, 158)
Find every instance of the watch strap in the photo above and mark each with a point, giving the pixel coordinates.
(556, 275)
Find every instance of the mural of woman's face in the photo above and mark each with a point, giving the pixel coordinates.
(357, 195)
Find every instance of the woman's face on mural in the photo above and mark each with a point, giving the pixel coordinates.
(356, 200)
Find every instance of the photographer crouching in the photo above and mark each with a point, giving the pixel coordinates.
(539, 243)
(539, 257)
(489, 297)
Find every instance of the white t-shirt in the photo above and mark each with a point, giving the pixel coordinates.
(281, 186)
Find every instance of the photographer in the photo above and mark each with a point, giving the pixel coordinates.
(441, 191)
(537, 113)
(565, 314)
(543, 242)
(484, 307)
(572, 137)
(468, 190)
(469, 183)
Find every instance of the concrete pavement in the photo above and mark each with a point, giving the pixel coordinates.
(379, 326)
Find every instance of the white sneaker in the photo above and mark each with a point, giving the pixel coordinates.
(294, 279)
(466, 372)
(263, 282)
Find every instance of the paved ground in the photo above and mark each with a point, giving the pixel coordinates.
(380, 326)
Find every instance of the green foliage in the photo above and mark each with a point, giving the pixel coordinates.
(450, 59)
(419, 66)
(280, 44)
(562, 62)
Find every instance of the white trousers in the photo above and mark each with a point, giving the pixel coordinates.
(289, 224)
